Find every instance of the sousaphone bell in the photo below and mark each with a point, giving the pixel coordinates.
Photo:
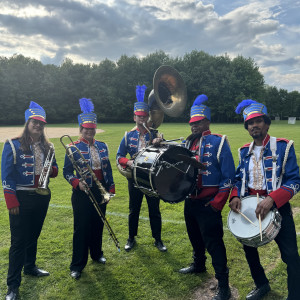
(168, 96)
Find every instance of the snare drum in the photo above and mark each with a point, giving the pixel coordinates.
(249, 234)
(159, 172)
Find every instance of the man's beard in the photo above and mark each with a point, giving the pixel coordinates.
(194, 136)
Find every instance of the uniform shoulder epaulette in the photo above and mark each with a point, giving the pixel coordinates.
(76, 142)
(219, 135)
(133, 129)
(246, 146)
(282, 140)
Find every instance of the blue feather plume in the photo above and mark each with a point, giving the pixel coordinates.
(200, 99)
(140, 92)
(86, 105)
(34, 105)
(243, 104)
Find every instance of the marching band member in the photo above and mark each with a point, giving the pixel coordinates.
(88, 226)
(132, 142)
(268, 166)
(22, 164)
(202, 211)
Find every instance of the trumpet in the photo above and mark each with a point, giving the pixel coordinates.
(42, 188)
(83, 168)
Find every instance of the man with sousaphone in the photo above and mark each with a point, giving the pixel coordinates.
(133, 141)
(202, 209)
(266, 179)
(27, 163)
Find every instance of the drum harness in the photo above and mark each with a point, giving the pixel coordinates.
(273, 147)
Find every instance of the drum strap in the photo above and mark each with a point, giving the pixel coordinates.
(273, 146)
(125, 137)
(13, 150)
(287, 150)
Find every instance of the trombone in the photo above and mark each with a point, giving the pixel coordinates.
(84, 171)
(42, 188)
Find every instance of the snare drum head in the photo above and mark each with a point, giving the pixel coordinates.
(174, 179)
(240, 227)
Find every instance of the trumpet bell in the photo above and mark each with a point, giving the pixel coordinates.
(42, 191)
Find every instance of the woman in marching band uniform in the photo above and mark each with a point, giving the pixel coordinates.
(88, 226)
(22, 164)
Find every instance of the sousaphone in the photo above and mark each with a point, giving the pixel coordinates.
(168, 97)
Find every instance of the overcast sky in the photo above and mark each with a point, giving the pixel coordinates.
(91, 30)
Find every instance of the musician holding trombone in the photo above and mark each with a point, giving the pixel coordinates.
(88, 225)
(25, 160)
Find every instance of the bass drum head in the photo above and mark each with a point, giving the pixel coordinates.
(174, 179)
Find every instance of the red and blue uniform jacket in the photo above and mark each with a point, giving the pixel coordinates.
(216, 180)
(104, 174)
(130, 143)
(17, 171)
(290, 179)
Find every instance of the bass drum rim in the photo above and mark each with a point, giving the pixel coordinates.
(156, 187)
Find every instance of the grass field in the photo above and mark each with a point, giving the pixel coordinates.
(143, 273)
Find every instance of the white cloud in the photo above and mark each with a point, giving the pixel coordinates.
(91, 30)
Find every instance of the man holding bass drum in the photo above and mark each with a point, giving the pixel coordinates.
(202, 210)
(268, 169)
(132, 142)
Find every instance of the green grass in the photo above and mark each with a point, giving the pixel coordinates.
(143, 273)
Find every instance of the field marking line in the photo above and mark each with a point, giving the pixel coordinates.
(126, 215)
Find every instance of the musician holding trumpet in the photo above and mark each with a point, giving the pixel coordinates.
(25, 160)
(88, 221)
(268, 168)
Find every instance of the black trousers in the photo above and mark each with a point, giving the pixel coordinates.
(135, 203)
(287, 243)
(88, 229)
(205, 231)
(25, 230)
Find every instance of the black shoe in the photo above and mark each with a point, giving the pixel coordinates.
(193, 268)
(101, 260)
(223, 293)
(12, 294)
(160, 246)
(130, 243)
(258, 293)
(36, 272)
(75, 274)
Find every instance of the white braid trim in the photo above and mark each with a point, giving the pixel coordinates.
(221, 146)
(13, 150)
(287, 150)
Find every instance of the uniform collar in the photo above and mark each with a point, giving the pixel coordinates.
(264, 143)
(205, 133)
(145, 131)
(86, 142)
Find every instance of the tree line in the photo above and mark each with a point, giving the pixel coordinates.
(111, 86)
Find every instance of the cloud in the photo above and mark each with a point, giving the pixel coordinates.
(89, 31)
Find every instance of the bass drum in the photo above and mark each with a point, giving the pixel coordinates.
(159, 172)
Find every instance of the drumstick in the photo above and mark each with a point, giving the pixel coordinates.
(246, 218)
(259, 219)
